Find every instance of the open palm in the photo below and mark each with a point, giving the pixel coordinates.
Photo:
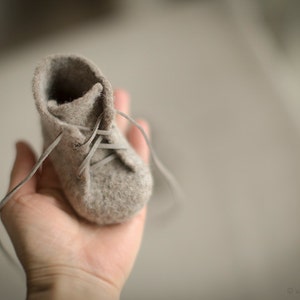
(49, 237)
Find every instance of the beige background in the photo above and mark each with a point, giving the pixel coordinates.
(222, 121)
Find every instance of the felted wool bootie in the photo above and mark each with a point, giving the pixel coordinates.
(103, 178)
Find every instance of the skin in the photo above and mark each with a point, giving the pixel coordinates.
(64, 256)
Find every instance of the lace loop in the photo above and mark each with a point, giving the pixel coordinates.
(97, 145)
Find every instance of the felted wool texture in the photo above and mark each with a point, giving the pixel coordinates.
(69, 90)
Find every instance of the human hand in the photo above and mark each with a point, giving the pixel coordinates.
(64, 256)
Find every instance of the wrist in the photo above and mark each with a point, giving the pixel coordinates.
(69, 283)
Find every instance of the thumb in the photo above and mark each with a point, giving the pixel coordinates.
(24, 162)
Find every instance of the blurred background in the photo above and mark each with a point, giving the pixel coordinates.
(219, 83)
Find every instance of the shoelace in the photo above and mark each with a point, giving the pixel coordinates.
(175, 187)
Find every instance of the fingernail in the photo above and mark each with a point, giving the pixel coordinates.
(120, 94)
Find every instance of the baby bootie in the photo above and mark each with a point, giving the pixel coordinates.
(103, 178)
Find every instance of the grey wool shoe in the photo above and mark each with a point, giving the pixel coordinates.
(103, 178)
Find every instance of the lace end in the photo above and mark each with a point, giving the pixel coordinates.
(171, 180)
(46, 153)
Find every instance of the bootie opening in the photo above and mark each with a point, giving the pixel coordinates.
(69, 79)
